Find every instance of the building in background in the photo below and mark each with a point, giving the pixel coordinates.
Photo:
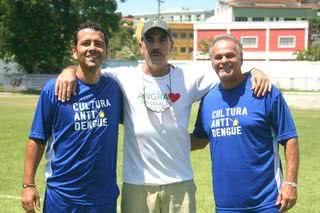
(182, 34)
(260, 40)
(183, 15)
(265, 10)
(268, 29)
(181, 26)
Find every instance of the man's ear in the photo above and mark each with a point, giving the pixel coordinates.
(171, 45)
(74, 53)
(140, 46)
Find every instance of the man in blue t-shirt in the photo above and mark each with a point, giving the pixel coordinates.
(80, 136)
(244, 133)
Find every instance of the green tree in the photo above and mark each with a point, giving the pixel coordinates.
(37, 34)
(204, 46)
(123, 44)
(313, 52)
(100, 11)
(315, 24)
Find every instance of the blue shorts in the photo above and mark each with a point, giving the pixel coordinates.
(54, 204)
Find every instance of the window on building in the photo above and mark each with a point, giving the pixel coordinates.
(198, 17)
(249, 41)
(174, 35)
(190, 49)
(182, 49)
(183, 35)
(257, 18)
(241, 19)
(287, 42)
(191, 35)
(289, 19)
(274, 18)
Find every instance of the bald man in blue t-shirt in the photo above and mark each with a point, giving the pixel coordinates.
(244, 133)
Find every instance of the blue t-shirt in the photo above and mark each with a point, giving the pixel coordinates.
(244, 133)
(81, 141)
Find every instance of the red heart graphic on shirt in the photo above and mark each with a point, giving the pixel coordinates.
(174, 96)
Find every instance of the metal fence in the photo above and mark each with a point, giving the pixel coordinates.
(23, 82)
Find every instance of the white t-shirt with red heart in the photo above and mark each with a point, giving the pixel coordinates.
(156, 116)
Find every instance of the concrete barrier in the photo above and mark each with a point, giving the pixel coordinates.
(288, 75)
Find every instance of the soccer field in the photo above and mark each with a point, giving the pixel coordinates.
(16, 112)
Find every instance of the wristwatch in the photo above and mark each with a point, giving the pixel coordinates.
(25, 185)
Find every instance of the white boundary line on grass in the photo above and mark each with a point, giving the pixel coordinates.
(10, 197)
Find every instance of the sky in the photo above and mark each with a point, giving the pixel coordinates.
(133, 7)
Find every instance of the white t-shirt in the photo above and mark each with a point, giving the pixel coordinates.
(157, 144)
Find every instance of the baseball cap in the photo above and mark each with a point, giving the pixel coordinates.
(155, 23)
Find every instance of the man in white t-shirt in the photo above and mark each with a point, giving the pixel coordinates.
(157, 173)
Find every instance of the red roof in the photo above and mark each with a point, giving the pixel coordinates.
(266, 1)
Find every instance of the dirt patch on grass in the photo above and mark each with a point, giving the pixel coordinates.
(303, 100)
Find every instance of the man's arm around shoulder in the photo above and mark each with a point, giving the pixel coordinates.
(66, 84)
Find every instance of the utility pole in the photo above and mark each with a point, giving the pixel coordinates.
(159, 2)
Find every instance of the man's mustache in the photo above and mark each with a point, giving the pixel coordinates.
(227, 66)
(156, 51)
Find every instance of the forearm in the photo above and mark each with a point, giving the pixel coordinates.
(71, 68)
(198, 143)
(34, 152)
(65, 85)
(292, 160)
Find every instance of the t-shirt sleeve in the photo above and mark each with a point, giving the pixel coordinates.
(41, 128)
(282, 120)
(204, 82)
(105, 71)
(199, 130)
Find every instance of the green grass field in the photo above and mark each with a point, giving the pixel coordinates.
(16, 113)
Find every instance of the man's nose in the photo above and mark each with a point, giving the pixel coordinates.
(156, 45)
(92, 46)
(224, 59)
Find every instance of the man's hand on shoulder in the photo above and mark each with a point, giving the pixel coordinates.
(261, 83)
(66, 84)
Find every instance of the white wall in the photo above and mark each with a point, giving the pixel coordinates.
(299, 75)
